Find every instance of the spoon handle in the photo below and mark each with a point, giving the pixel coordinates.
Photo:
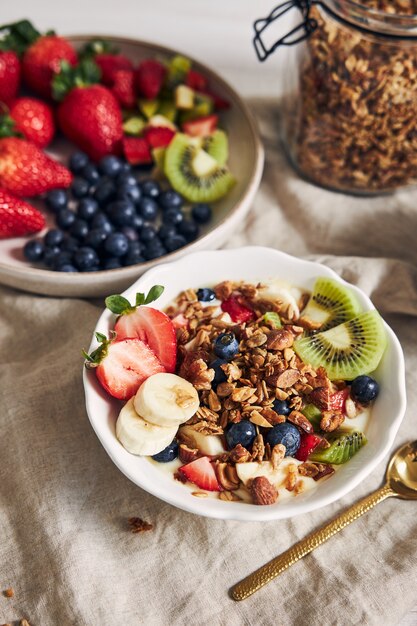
(269, 571)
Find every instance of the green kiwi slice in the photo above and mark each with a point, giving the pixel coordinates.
(203, 105)
(217, 146)
(342, 448)
(331, 303)
(347, 350)
(313, 414)
(193, 172)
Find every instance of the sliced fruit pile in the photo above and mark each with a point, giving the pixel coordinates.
(256, 418)
(161, 114)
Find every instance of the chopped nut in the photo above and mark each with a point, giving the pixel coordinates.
(259, 420)
(187, 454)
(272, 416)
(277, 454)
(138, 525)
(258, 339)
(227, 476)
(262, 491)
(258, 448)
(9, 593)
(239, 454)
(288, 378)
(297, 418)
(309, 324)
(229, 496)
(308, 469)
(225, 389)
(291, 478)
(279, 339)
(330, 421)
(240, 394)
(199, 494)
(223, 290)
(232, 371)
(24, 622)
(214, 402)
(351, 409)
(324, 470)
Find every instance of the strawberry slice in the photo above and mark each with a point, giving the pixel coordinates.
(196, 81)
(155, 329)
(201, 473)
(149, 78)
(337, 401)
(111, 63)
(124, 365)
(137, 150)
(237, 311)
(158, 136)
(201, 126)
(17, 217)
(123, 88)
(307, 445)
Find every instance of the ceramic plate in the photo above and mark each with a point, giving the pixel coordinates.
(246, 161)
(252, 264)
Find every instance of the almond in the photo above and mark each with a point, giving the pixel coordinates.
(262, 491)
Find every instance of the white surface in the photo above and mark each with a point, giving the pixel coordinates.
(252, 264)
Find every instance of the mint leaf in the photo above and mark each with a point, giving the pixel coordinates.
(154, 293)
(119, 305)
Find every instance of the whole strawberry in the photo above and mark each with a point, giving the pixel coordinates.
(17, 217)
(9, 75)
(34, 120)
(89, 114)
(27, 171)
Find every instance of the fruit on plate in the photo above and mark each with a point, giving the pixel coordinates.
(194, 173)
(109, 64)
(201, 472)
(217, 145)
(308, 443)
(17, 217)
(137, 151)
(27, 171)
(342, 448)
(364, 389)
(34, 119)
(139, 436)
(9, 75)
(166, 400)
(146, 323)
(123, 88)
(331, 303)
(88, 114)
(149, 78)
(122, 365)
(347, 350)
(201, 126)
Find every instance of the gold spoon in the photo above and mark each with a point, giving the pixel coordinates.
(401, 482)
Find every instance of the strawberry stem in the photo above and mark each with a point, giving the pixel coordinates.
(97, 46)
(19, 36)
(82, 75)
(121, 306)
(96, 356)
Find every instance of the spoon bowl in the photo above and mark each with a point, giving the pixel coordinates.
(402, 472)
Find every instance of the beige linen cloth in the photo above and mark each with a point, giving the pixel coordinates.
(64, 543)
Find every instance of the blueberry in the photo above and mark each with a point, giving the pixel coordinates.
(173, 216)
(129, 192)
(281, 407)
(137, 222)
(100, 220)
(243, 432)
(121, 212)
(105, 191)
(154, 250)
(70, 243)
(287, 434)
(56, 199)
(170, 200)
(54, 237)
(175, 242)
(126, 179)
(112, 263)
(65, 218)
(85, 259)
(219, 374)
(188, 229)
(66, 267)
(133, 258)
(167, 454)
(201, 213)
(147, 234)
(63, 258)
(79, 229)
(95, 238)
(91, 174)
(206, 295)
(125, 166)
(33, 250)
(150, 188)
(116, 244)
(78, 161)
(87, 208)
(148, 209)
(79, 187)
(166, 231)
(110, 165)
(364, 389)
(130, 232)
(226, 346)
(50, 254)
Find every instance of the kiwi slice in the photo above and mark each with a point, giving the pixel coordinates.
(203, 105)
(331, 303)
(193, 172)
(342, 448)
(347, 350)
(312, 413)
(217, 146)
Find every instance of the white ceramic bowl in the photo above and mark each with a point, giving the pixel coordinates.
(245, 160)
(251, 264)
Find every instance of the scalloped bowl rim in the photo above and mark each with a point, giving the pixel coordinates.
(155, 481)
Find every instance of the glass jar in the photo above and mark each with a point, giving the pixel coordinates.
(349, 113)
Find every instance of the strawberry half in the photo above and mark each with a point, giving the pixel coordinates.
(150, 325)
(237, 311)
(34, 119)
(109, 64)
(201, 126)
(137, 150)
(123, 365)
(201, 473)
(9, 75)
(123, 88)
(18, 218)
(308, 443)
(149, 78)
(159, 136)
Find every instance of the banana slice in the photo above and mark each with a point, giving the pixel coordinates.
(139, 436)
(166, 400)
(207, 444)
(281, 291)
